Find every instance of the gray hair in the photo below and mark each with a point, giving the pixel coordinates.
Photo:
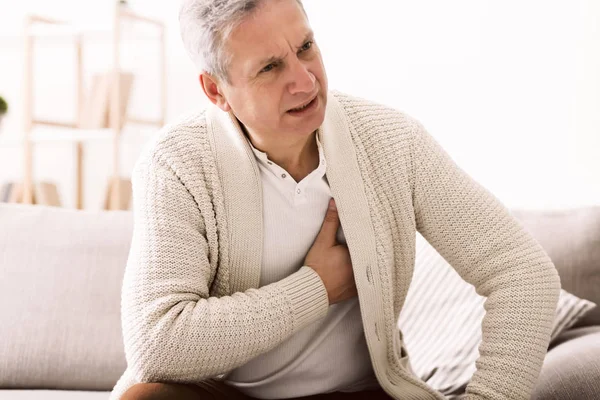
(205, 26)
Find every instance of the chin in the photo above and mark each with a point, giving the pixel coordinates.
(305, 130)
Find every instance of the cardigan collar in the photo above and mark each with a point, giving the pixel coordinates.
(242, 191)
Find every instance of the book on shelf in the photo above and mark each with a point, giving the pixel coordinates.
(126, 81)
(97, 103)
(5, 191)
(125, 194)
(44, 193)
(95, 108)
(16, 193)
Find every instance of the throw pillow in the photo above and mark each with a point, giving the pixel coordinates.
(441, 321)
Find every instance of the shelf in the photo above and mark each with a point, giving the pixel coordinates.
(53, 134)
(46, 31)
(112, 94)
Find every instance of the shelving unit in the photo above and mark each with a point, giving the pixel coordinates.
(39, 26)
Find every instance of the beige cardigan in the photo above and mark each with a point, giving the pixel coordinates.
(191, 305)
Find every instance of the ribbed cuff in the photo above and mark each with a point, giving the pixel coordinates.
(308, 296)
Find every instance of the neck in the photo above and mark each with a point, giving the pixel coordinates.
(296, 157)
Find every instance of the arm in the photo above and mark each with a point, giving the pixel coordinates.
(173, 330)
(491, 250)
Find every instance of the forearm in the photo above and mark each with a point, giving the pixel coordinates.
(185, 338)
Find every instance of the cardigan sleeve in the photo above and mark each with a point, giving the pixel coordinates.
(173, 330)
(491, 250)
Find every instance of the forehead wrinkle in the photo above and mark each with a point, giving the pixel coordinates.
(275, 58)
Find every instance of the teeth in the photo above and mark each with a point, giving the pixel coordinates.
(301, 108)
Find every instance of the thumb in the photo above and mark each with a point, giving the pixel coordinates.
(330, 226)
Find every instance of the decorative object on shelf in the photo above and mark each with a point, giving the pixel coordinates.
(3, 109)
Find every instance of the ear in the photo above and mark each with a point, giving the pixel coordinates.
(211, 88)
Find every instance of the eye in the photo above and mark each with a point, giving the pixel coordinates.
(306, 46)
(268, 68)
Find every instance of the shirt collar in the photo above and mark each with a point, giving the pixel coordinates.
(262, 156)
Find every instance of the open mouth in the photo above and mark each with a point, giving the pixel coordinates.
(305, 108)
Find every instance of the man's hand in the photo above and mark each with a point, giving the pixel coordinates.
(332, 260)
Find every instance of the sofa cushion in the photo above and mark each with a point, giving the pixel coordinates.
(571, 369)
(571, 237)
(62, 271)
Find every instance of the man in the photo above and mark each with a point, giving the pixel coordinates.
(236, 287)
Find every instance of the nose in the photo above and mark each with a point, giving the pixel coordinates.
(303, 81)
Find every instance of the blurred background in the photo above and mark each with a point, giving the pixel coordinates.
(510, 89)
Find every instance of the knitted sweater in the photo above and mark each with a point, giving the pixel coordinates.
(192, 307)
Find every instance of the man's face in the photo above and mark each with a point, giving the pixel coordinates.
(276, 66)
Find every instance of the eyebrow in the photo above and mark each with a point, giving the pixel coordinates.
(269, 60)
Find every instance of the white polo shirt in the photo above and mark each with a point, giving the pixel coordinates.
(330, 354)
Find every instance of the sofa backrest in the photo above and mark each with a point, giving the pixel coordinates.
(571, 237)
(61, 272)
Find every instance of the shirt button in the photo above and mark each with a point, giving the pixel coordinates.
(283, 175)
(298, 191)
(269, 162)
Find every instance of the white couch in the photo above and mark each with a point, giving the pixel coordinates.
(60, 283)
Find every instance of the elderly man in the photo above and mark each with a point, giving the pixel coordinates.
(240, 282)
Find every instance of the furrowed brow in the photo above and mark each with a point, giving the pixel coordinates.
(275, 59)
(267, 61)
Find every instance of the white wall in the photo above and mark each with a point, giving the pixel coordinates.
(510, 89)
